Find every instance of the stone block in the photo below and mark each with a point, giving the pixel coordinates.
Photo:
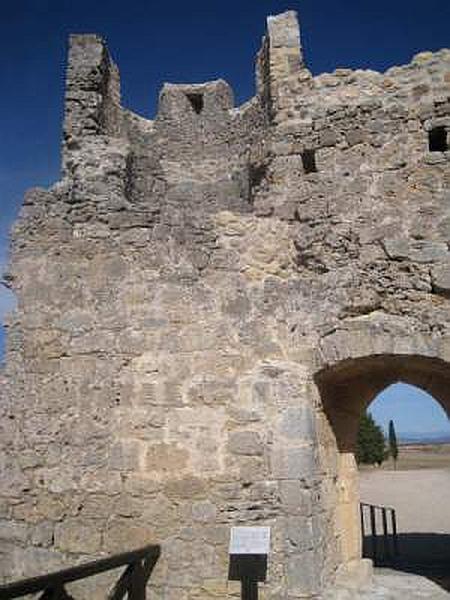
(34, 561)
(421, 251)
(440, 278)
(204, 511)
(126, 455)
(303, 574)
(43, 534)
(166, 458)
(122, 534)
(356, 136)
(252, 468)
(294, 463)
(102, 481)
(217, 535)
(58, 481)
(161, 514)
(214, 588)
(300, 534)
(296, 500)
(187, 488)
(328, 137)
(355, 574)
(78, 536)
(97, 506)
(45, 506)
(14, 531)
(212, 391)
(298, 423)
(13, 481)
(248, 443)
(262, 392)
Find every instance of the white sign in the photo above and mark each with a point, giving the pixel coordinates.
(250, 540)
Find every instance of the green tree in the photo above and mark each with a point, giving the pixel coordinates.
(393, 447)
(370, 442)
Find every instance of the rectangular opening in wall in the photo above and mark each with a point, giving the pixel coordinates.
(309, 161)
(196, 101)
(437, 139)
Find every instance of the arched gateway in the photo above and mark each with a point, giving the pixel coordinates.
(356, 374)
(207, 301)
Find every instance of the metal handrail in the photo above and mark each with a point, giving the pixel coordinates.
(140, 565)
(377, 506)
(390, 550)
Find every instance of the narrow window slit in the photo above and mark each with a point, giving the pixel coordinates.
(309, 161)
(437, 139)
(196, 101)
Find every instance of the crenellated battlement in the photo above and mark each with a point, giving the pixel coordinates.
(295, 128)
(92, 100)
(196, 119)
(93, 82)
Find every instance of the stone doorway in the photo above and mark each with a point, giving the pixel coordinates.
(347, 388)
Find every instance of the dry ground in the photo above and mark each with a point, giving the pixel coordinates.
(420, 497)
(419, 491)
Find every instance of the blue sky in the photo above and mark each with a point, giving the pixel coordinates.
(176, 41)
(413, 411)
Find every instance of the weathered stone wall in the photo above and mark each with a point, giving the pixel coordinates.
(187, 295)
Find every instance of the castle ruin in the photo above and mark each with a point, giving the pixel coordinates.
(206, 304)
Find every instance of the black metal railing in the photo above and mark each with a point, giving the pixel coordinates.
(379, 533)
(139, 566)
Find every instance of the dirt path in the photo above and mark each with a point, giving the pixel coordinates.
(421, 498)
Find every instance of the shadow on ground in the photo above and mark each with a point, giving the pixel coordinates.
(426, 554)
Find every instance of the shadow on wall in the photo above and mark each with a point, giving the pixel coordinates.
(426, 554)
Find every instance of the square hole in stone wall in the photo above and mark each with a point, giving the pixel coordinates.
(437, 139)
(196, 101)
(309, 161)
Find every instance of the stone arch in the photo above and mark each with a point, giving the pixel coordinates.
(348, 388)
(356, 367)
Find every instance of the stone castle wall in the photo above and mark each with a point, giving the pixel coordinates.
(186, 294)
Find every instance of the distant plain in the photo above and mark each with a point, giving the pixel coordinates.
(417, 456)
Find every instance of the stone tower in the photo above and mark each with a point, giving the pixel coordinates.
(207, 302)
